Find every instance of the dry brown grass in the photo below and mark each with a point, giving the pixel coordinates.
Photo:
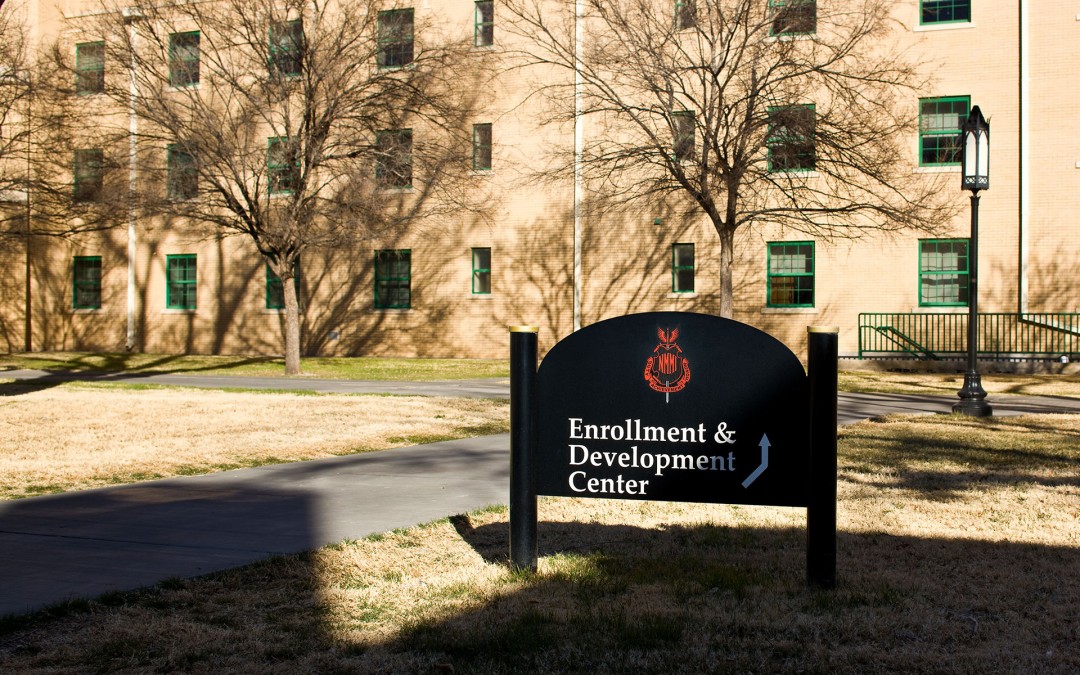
(79, 436)
(959, 542)
(947, 384)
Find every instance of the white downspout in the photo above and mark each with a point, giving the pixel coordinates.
(1025, 160)
(579, 149)
(132, 14)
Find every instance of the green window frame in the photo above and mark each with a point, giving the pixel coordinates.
(86, 282)
(790, 140)
(286, 43)
(184, 59)
(393, 160)
(275, 288)
(683, 135)
(89, 175)
(682, 268)
(944, 272)
(791, 274)
(181, 281)
(89, 67)
(481, 157)
(282, 166)
(685, 15)
(932, 12)
(793, 17)
(939, 129)
(481, 271)
(484, 24)
(393, 279)
(395, 38)
(182, 179)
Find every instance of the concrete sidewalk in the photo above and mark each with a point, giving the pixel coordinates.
(82, 544)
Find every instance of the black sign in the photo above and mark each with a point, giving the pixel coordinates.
(673, 406)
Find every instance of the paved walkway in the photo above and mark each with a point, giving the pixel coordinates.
(82, 544)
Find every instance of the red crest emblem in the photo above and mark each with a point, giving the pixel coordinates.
(667, 370)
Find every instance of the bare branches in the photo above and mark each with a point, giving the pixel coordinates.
(739, 73)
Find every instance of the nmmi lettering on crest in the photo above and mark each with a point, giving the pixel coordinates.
(667, 370)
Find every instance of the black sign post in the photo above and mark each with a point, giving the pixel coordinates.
(675, 406)
(522, 447)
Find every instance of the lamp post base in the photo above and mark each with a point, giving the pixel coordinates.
(972, 397)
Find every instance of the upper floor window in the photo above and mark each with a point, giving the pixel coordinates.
(282, 165)
(682, 142)
(286, 47)
(944, 11)
(89, 67)
(685, 17)
(943, 272)
(484, 29)
(393, 161)
(89, 174)
(182, 181)
(184, 59)
(86, 282)
(791, 138)
(481, 147)
(939, 129)
(395, 38)
(791, 274)
(793, 17)
(682, 268)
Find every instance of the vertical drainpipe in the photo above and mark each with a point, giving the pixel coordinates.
(579, 147)
(1025, 163)
(131, 14)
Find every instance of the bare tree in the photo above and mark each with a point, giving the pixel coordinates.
(755, 112)
(299, 124)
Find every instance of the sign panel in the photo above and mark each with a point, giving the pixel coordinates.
(673, 406)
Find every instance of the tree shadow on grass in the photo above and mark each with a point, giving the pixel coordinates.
(702, 599)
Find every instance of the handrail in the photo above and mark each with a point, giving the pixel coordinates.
(1032, 334)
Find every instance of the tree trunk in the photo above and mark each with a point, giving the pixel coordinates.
(292, 326)
(727, 265)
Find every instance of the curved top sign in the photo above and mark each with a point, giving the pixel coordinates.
(673, 406)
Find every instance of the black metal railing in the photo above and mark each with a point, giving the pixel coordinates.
(936, 336)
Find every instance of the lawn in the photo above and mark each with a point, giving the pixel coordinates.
(958, 550)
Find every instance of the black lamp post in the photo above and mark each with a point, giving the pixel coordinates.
(975, 149)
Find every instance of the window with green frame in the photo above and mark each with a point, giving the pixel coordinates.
(86, 282)
(943, 272)
(393, 160)
(286, 47)
(481, 271)
(939, 129)
(685, 17)
(484, 27)
(944, 11)
(275, 289)
(790, 274)
(793, 17)
(790, 141)
(180, 281)
(89, 174)
(395, 38)
(89, 67)
(184, 59)
(682, 141)
(182, 181)
(481, 153)
(282, 165)
(393, 279)
(682, 268)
